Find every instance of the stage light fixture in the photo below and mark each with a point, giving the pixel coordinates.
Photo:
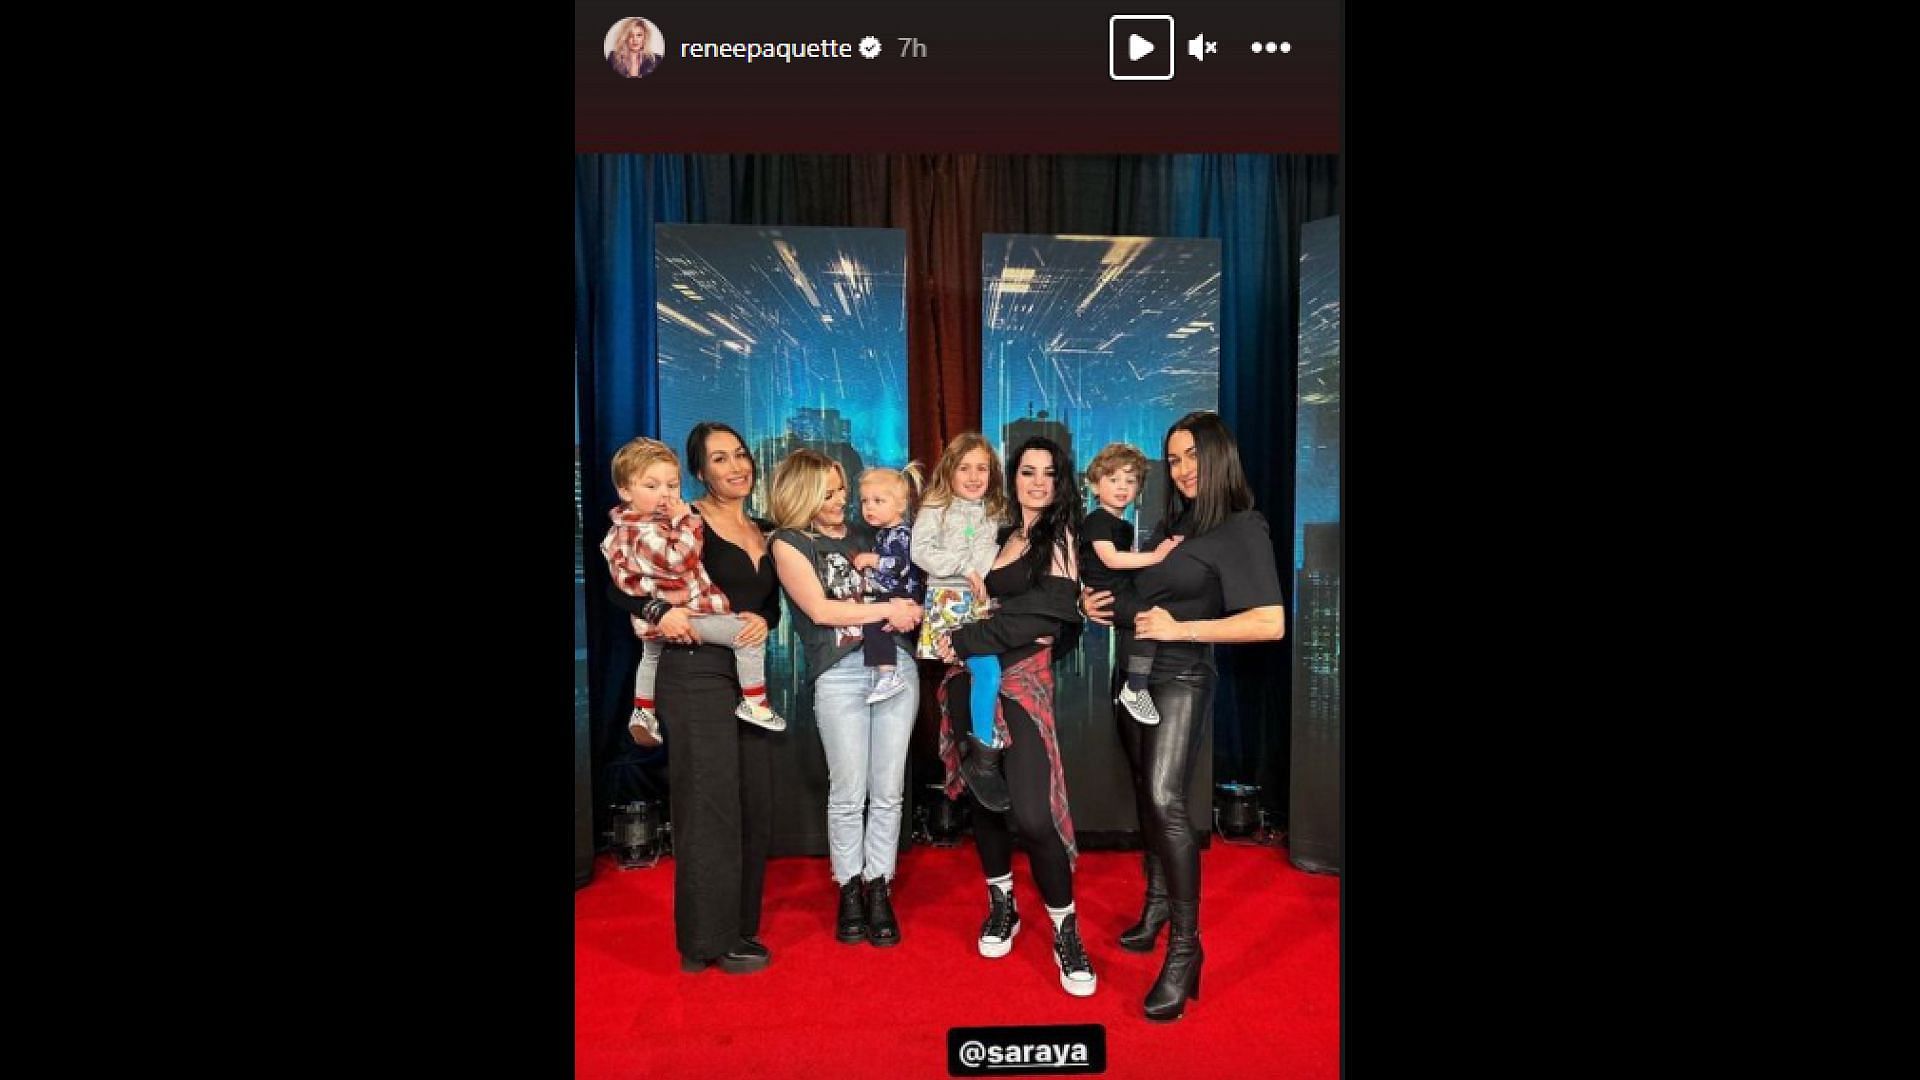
(638, 837)
(1236, 812)
(946, 818)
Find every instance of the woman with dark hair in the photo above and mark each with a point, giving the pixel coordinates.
(1035, 585)
(719, 770)
(1220, 586)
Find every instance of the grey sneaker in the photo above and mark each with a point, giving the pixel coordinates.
(760, 716)
(644, 727)
(891, 685)
(1139, 706)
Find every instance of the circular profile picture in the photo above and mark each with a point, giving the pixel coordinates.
(634, 47)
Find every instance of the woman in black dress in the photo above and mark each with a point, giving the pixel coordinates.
(719, 770)
(1220, 586)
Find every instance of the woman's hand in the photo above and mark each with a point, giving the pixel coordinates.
(677, 626)
(903, 614)
(1155, 624)
(755, 630)
(1097, 605)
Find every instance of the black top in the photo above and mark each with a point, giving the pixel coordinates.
(1118, 531)
(1226, 571)
(745, 587)
(1030, 606)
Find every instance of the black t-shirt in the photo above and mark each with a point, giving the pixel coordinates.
(1118, 531)
(1224, 572)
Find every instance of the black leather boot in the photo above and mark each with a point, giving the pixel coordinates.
(1180, 975)
(882, 928)
(981, 766)
(852, 924)
(1140, 936)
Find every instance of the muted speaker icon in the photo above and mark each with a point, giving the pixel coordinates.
(1199, 46)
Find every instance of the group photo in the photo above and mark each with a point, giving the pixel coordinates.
(957, 610)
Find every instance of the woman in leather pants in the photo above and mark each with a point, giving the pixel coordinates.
(1220, 586)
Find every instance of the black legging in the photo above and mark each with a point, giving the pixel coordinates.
(1029, 780)
(1163, 757)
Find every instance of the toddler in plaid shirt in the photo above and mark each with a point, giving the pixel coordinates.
(653, 551)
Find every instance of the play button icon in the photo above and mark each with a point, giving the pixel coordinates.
(1140, 47)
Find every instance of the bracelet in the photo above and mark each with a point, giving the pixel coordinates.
(654, 610)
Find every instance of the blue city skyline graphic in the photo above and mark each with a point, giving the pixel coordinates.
(1114, 337)
(1316, 483)
(796, 337)
(758, 324)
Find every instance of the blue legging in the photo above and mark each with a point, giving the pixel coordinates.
(985, 670)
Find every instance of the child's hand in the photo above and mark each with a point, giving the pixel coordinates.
(673, 507)
(1167, 545)
(866, 560)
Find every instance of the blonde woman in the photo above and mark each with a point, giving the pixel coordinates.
(865, 743)
(632, 53)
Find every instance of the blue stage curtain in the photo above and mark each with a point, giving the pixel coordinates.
(617, 201)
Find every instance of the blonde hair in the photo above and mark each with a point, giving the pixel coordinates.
(906, 482)
(637, 457)
(800, 486)
(940, 493)
(1116, 456)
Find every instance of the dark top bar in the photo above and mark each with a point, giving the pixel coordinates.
(988, 76)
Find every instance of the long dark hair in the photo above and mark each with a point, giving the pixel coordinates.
(1223, 489)
(1060, 521)
(697, 449)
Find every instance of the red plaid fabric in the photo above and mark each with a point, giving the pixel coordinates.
(1029, 682)
(651, 558)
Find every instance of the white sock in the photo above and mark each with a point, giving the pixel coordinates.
(1004, 883)
(1059, 915)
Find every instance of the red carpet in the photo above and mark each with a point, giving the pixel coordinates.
(1269, 996)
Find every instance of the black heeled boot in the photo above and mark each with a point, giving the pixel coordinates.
(1140, 936)
(852, 924)
(882, 927)
(981, 766)
(1180, 975)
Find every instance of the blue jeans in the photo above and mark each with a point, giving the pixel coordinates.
(866, 749)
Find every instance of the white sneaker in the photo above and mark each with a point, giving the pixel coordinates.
(891, 685)
(1001, 927)
(1076, 971)
(760, 716)
(1139, 706)
(644, 727)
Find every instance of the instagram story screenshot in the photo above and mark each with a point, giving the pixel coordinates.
(957, 532)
